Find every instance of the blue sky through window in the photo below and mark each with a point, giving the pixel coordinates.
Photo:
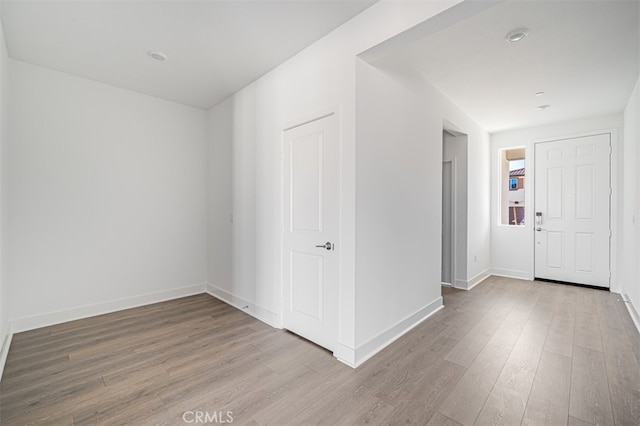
(516, 164)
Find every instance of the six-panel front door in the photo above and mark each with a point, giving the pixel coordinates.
(572, 191)
(310, 226)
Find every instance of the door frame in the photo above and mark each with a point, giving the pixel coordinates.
(319, 115)
(613, 199)
(453, 223)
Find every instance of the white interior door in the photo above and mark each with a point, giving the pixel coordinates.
(311, 230)
(447, 223)
(572, 201)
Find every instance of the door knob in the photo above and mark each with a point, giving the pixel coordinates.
(326, 245)
(538, 229)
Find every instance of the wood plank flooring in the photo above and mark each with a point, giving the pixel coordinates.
(507, 352)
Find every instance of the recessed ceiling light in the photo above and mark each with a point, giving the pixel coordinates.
(539, 93)
(516, 35)
(543, 107)
(158, 56)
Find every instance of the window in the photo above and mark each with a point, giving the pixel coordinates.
(512, 182)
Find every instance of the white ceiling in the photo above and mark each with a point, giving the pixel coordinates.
(583, 54)
(214, 47)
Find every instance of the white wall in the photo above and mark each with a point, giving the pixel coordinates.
(630, 279)
(512, 246)
(4, 124)
(320, 78)
(107, 198)
(220, 243)
(400, 118)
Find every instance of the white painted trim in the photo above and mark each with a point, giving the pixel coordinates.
(51, 318)
(454, 216)
(512, 273)
(259, 312)
(459, 284)
(346, 355)
(319, 115)
(478, 278)
(613, 210)
(468, 285)
(384, 339)
(632, 311)
(6, 344)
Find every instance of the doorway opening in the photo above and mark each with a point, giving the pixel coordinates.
(454, 208)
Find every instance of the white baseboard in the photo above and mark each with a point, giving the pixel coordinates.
(263, 314)
(512, 273)
(633, 312)
(468, 285)
(51, 318)
(460, 284)
(478, 279)
(374, 345)
(346, 355)
(6, 343)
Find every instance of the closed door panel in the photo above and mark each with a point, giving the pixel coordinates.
(311, 230)
(572, 194)
(555, 251)
(306, 183)
(555, 195)
(585, 251)
(306, 294)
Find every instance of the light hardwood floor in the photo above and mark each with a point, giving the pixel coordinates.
(508, 352)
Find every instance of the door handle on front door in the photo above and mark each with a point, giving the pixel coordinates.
(538, 229)
(326, 245)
